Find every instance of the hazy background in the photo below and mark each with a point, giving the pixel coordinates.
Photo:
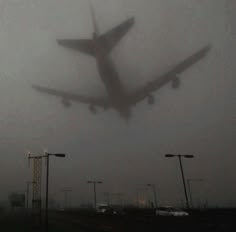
(198, 118)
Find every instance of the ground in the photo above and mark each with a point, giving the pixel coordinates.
(133, 220)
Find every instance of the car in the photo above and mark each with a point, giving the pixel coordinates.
(171, 211)
(105, 209)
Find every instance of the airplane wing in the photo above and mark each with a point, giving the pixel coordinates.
(112, 37)
(172, 75)
(67, 97)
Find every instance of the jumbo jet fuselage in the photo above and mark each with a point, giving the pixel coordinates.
(110, 78)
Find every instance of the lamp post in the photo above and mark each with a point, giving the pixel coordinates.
(154, 192)
(47, 155)
(182, 172)
(95, 191)
(189, 188)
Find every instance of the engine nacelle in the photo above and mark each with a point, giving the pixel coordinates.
(66, 102)
(150, 99)
(176, 83)
(92, 109)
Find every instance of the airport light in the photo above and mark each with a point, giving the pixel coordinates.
(182, 171)
(189, 188)
(47, 155)
(95, 191)
(188, 156)
(59, 155)
(169, 155)
(154, 192)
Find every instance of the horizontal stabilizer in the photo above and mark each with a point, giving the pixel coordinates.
(82, 45)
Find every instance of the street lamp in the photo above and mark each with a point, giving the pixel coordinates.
(182, 172)
(189, 189)
(154, 192)
(95, 191)
(47, 155)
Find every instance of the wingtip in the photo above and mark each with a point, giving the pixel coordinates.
(207, 48)
(60, 42)
(36, 87)
(204, 51)
(132, 20)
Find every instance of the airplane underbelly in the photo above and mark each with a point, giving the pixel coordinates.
(110, 77)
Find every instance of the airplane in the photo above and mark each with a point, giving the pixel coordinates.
(118, 98)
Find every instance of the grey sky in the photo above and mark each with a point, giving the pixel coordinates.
(198, 118)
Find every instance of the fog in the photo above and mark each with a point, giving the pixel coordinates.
(198, 118)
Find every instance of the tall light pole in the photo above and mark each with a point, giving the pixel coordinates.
(28, 183)
(95, 191)
(182, 172)
(47, 155)
(189, 188)
(154, 192)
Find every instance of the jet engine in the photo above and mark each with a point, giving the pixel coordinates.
(66, 102)
(176, 83)
(151, 100)
(92, 109)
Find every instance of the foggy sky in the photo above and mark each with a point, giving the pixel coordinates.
(198, 118)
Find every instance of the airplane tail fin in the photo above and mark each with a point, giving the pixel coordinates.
(112, 37)
(108, 40)
(95, 25)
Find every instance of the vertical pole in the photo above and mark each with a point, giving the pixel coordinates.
(137, 197)
(155, 195)
(147, 199)
(27, 197)
(182, 172)
(108, 199)
(46, 205)
(36, 192)
(190, 194)
(95, 196)
(66, 198)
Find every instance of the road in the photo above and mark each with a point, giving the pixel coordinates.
(87, 222)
